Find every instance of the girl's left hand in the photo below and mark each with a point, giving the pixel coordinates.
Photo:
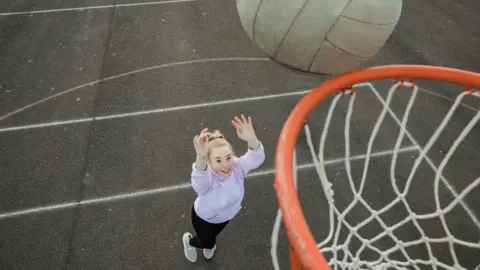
(244, 128)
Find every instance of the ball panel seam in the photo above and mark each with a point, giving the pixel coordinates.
(290, 27)
(255, 21)
(321, 44)
(368, 23)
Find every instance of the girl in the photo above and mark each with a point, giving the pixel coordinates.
(217, 178)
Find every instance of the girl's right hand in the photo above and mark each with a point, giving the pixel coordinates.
(200, 142)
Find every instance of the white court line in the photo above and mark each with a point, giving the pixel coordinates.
(160, 110)
(93, 7)
(450, 99)
(144, 193)
(92, 83)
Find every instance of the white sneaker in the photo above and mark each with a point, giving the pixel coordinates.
(208, 253)
(190, 252)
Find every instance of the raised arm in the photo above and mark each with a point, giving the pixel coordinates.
(254, 157)
(256, 153)
(200, 177)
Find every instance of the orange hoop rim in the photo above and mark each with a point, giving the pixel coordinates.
(299, 234)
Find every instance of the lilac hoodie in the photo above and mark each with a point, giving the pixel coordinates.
(219, 198)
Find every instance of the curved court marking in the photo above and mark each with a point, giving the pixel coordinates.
(177, 64)
(152, 111)
(208, 60)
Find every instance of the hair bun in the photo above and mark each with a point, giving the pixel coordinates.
(215, 135)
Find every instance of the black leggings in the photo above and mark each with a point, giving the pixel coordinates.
(206, 232)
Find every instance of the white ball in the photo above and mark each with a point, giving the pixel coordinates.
(320, 36)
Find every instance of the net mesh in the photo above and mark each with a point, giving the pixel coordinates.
(403, 254)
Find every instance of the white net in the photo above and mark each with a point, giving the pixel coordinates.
(338, 247)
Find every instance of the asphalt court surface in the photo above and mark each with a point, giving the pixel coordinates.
(158, 74)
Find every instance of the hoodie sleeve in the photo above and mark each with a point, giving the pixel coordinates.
(252, 159)
(201, 180)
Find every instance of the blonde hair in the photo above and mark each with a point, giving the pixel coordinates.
(217, 139)
(216, 135)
